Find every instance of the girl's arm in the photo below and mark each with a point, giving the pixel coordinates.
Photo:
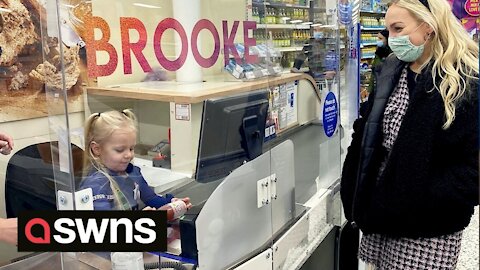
(147, 195)
(102, 193)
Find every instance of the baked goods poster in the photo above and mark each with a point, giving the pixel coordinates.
(31, 61)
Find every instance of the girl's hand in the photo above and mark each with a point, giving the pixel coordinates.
(186, 200)
(148, 208)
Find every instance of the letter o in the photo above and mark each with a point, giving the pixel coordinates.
(208, 25)
(161, 28)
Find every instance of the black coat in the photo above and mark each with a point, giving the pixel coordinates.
(430, 184)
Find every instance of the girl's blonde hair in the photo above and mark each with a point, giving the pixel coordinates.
(454, 53)
(98, 128)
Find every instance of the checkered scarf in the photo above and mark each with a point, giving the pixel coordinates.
(396, 108)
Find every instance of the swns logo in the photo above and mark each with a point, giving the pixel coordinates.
(92, 231)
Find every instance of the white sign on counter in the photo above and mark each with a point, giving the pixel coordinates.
(182, 112)
(291, 103)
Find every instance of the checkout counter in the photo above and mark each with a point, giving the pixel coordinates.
(280, 201)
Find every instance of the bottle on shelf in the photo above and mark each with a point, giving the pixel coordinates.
(278, 39)
(262, 15)
(267, 16)
(295, 37)
(290, 14)
(255, 15)
(273, 17)
(283, 16)
(289, 39)
(299, 14)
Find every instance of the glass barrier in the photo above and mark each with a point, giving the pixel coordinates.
(40, 84)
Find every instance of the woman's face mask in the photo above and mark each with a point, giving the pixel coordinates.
(404, 49)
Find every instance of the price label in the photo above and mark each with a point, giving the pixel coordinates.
(182, 112)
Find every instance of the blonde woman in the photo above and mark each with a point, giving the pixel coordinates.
(410, 179)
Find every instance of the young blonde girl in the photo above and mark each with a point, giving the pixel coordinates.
(117, 184)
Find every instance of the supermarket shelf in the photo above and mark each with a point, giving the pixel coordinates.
(372, 28)
(283, 26)
(372, 12)
(321, 9)
(281, 5)
(368, 44)
(289, 49)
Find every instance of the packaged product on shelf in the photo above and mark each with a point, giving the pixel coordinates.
(240, 49)
(236, 70)
(248, 67)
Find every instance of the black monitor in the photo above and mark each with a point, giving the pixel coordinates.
(232, 133)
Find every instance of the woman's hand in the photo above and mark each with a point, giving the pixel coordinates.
(9, 230)
(6, 144)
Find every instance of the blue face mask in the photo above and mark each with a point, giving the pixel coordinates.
(380, 43)
(403, 48)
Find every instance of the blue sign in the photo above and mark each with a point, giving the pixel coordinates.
(330, 114)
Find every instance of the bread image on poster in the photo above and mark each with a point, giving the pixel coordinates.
(31, 61)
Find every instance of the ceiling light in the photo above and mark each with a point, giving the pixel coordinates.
(145, 5)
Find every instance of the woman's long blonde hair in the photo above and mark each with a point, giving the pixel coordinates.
(454, 53)
(98, 128)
